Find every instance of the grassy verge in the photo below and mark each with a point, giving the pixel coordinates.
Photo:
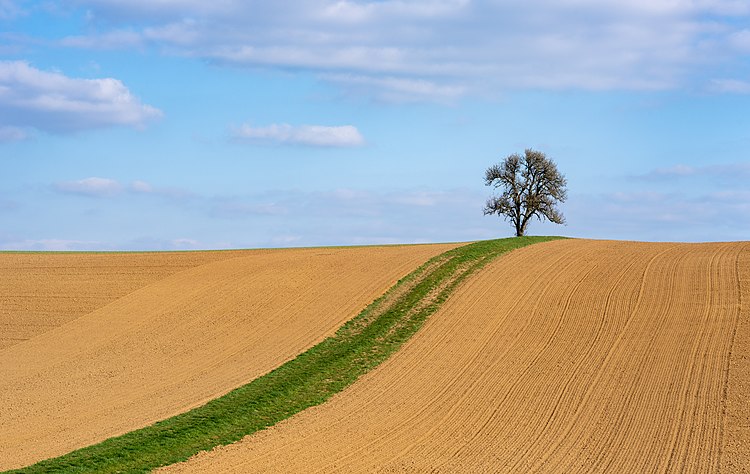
(308, 380)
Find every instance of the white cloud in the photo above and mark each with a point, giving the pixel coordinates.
(442, 49)
(311, 135)
(97, 187)
(53, 102)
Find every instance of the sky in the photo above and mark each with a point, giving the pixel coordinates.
(185, 124)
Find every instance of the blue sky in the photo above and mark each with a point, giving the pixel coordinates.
(183, 124)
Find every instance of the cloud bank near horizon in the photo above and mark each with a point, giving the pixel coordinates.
(349, 216)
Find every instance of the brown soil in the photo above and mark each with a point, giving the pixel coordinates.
(736, 447)
(40, 291)
(176, 343)
(569, 356)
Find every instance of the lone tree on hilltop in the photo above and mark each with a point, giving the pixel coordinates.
(531, 187)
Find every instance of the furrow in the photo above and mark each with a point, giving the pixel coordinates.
(568, 356)
(182, 341)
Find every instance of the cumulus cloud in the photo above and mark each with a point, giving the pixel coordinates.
(310, 135)
(440, 49)
(53, 102)
(96, 187)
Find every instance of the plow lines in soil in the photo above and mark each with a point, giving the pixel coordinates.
(42, 290)
(566, 356)
(180, 341)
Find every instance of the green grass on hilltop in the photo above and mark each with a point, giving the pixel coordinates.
(309, 379)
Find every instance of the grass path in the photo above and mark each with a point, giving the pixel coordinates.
(308, 380)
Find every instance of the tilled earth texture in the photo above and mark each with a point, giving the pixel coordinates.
(103, 344)
(567, 356)
(40, 291)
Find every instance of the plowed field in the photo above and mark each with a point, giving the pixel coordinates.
(568, 356)
(40, 291)
(184, 339)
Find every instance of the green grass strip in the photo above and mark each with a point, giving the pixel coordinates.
(309, 379)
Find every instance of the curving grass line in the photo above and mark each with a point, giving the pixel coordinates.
(309, 379)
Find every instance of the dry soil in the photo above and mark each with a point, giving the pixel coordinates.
(40, 291)
(184, 339)
(568, 356)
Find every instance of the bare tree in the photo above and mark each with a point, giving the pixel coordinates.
(531, 187)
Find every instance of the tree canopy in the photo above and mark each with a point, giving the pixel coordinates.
(531, 186)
